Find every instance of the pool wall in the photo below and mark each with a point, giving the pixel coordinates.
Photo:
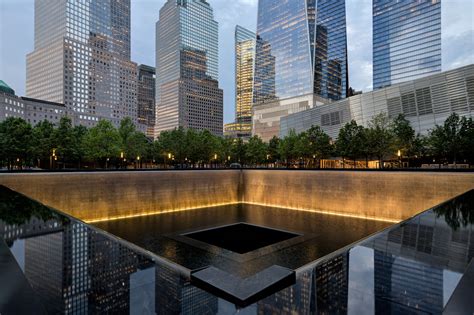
(93, 196)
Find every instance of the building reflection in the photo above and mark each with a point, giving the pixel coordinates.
(411, 268)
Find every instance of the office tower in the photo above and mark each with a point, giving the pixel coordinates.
(406, 40)
(244, 62)
(300, 60)
(146, 97)
(301, 49)
(187, 87)
(81, 59)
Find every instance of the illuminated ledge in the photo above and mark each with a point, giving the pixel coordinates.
(144, 214)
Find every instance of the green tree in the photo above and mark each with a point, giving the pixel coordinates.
(15, 141)
(381, 137)
(467, 139)
(42, 144)
(79, 133)
(126, 130)
(404, 135)
(101, 142)
(287, 148)
(350, 141)
(446, 140)
(238, 151)
(65, 141)
(320, 146)
(256, 151)
(274, 154)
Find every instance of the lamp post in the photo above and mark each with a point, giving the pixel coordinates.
(138, 161)
(215, 160)
(399, 154)
(53, 156)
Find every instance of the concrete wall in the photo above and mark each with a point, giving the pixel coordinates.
(382, 195)
(97, 196)
(390, 196)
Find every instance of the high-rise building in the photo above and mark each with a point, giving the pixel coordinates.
(81, 59)
(146, 97)
(300, 59)
(301, 49)
(244, 62)
(406, 40)
(187, 86)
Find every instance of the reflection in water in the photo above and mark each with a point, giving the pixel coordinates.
(457, 212)
(410, 268)
(321, 234)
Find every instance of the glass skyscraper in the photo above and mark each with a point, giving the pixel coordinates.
(82, 59)
(244, 63)
(146, 97)
(406, 40)
(187, 87)
(301, 49)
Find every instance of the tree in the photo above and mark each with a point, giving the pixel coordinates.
(79, 132)
(319, 143)
(43, 136)
(287, 147)
(272, 149)
(381, 137)
(404, 135)
(15, 141)
(446, 141)
(467, 139)
(256, 151)
(238, 151)
(350, 141)
(101, 142)
(125, 130)
(302, 149)
(65, 141)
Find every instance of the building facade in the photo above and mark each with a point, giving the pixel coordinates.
(425, 102)
(81, 59)
(187, 86)
(244, 63)
(33, 110)
(266, 117)
(301, 48)
(301, 51)
(406, 40)
(146, 98)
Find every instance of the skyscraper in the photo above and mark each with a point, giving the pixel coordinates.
(301, 49)
(82, 59)
(244, 62)
(146, 97)
(187, 87)
(406, 40)
(300, 59)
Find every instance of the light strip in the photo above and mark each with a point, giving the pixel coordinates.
(325, 212)
(144, 214)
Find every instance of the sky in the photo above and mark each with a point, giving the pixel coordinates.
(17, 37)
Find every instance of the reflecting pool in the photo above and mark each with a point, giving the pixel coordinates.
(168, 235)
(51, 263)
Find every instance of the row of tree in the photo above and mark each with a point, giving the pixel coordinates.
(67, 146)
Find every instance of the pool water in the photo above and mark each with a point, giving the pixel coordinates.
(242, 239)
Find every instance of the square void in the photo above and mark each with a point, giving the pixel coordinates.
(241, 237)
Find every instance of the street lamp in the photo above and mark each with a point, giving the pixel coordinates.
(53, 156)
(399, 154)
(138, 161)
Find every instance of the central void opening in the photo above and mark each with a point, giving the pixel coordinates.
(241, 237)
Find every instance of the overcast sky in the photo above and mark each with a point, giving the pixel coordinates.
(17, 18)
